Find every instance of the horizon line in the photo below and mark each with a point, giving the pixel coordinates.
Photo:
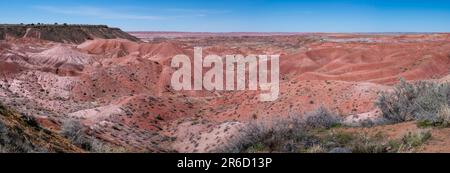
(281, 32)
(228, 32)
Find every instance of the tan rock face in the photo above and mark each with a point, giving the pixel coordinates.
(121, 90)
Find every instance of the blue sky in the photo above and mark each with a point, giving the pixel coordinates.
(238, 15)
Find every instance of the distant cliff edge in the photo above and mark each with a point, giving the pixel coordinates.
(62, 33)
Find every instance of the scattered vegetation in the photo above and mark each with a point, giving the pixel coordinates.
(416, 139)
(284, 135)
(12, 140)
(2, 150)
(75, 131)
(322, 118)
(360, 142)
(317, 133)
(426, 102)
(441, 119)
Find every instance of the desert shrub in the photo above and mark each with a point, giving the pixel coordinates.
(31, 121)
(441, 119)
(283, 135)
(322, 118)
(2, 110)
(98, 146)
(3, 137)
(292, 134)
(410, 141)
(338, 138)
(415, 139)
(2, 150)
(347, 142)
(75, 132)
(316, 149)
(12, 142)
(423, 101)
(363, 143)
(443, 116)
(340, 150)
(13, 138)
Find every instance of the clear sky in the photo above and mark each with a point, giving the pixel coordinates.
(238, 15)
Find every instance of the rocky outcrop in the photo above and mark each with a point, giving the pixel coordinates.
(63, 33)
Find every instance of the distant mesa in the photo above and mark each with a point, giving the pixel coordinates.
(63, 33)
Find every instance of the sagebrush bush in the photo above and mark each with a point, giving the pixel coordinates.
(12, 142)
(3, 137)
(2, 150)
(423, 101)
(444, 116)
(292, 134)
(363, 143)
(98, 146)
(415, 139)
(283, 135)
(322, 118)
(76, 133)
(316, 149)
